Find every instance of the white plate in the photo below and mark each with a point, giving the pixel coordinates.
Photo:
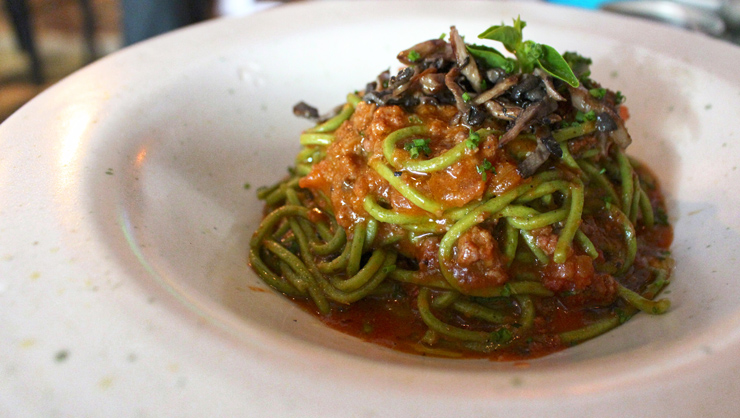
(124, 289)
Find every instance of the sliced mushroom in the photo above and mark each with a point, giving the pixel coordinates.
(498, 89)
(500, 111)
(465, 62)
(585, 102)
(457, 91)
(549, 86)
(530, 114)
(304, 110)
(426, 49)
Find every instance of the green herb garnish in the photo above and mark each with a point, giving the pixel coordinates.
(530, 54)
(583, 117)
(619, 98)
(416, 146)
(413, 56)
(473, 140)
(598, 93)
(483, 167)
(466, 97)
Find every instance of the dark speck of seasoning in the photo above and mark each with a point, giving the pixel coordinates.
(708, 106)
(61, 356)
(247, 186)
(109, 171)
(397, 173)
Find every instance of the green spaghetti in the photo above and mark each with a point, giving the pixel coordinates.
(475, 204)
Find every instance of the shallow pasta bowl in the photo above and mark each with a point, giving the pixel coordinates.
(129, 199)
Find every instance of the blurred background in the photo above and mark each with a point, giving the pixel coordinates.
(42, 41)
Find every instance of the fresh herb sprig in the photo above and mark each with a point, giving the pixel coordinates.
(417, 146)
(529, 54)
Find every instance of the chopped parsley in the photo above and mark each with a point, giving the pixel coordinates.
(598, 93)
(414, 56)
(583, 117)
(501, 336)
(483, 167)
(619, 98)
(416, 146)
(466, 97)
(473, 140)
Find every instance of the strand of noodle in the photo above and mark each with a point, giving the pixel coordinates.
(635, 207)
(316, 138)
(586, 244)
(283, 228)
(527, 312)
(299, 267)
(571, 132)
(511, 242)
(291, 198)
(302, 170)
(273, 280)
(425, 228)
(531, 242)
(658, 283)
(567, 157)
(544, 189)
(643, 304)
(406, 191)
(589, 331)
(389, 143)
(414, 277)
(324, 230)
(456, 214)
(389, 216)
(339, 263)
(625, 173)
(264, 191)
(330, 291)
(279, 194)
(371, 231)
(357, 245)
(430, 337)
(629, 235)
(572, 223)
(442, 328)
(476, 310)
(353, 296)
(450, 157)
(648, 217)
(309, 155)
(374, 263)
(536, 221)
(443, 300)
(272, 219)
(331, 246)
(294, 278)
(603, 183)
(490, 208)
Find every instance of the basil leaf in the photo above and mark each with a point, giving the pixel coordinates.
(554, 64)
(510, 36)
(528, 54)
(492, 57)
